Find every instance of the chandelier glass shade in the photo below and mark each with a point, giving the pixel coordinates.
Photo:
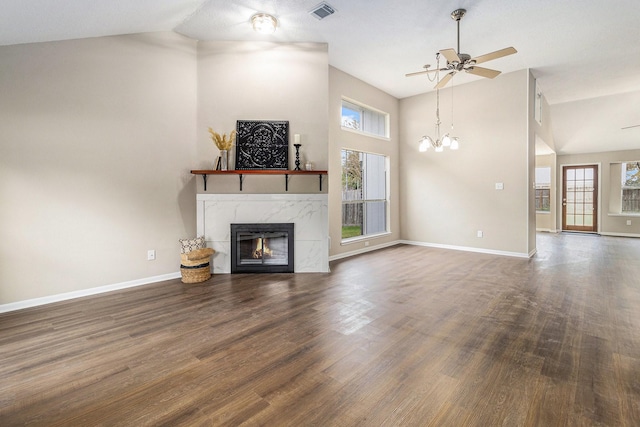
(445, 140)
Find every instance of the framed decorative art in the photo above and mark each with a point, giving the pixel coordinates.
(262, 144)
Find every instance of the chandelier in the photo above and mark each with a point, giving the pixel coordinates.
(445, 140)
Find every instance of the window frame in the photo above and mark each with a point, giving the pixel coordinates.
(627, 188)
(543, 190)
(386, 200)
(363, 109)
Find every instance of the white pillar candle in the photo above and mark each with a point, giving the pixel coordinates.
(296, 138)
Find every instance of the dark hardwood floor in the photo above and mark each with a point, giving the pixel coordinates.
(405, 336)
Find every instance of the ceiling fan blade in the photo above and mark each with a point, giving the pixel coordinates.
(417, 73)
(442, 83)
(450, 55)
(494, 55)
(484, 72)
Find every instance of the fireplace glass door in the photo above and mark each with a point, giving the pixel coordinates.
(263, 248)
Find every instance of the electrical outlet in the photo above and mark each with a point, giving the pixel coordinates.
(366, 243)
(628, 222)
(480, 233)
(151, 254)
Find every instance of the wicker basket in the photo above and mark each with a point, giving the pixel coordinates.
(194, 266)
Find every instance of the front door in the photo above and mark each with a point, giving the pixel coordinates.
(580, 198)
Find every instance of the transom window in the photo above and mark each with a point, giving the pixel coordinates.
(364, 194)
(364, 119)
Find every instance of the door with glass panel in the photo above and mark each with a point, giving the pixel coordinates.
(580, 198)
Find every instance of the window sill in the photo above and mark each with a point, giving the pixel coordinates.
(359, 132)
(543, 212)
(361, 238)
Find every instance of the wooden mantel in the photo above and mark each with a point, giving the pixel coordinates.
(241, 174)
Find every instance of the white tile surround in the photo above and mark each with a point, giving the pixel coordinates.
(309, 213)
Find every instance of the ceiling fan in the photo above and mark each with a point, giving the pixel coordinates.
(457, 62)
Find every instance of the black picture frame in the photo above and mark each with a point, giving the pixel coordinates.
(262, 144)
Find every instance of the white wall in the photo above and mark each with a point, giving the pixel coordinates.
(96, 143)
(447, 197)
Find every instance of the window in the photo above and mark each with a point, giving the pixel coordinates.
(543, 189)
(631, 187)
(363, 119)
(364, 194)
(538, 104)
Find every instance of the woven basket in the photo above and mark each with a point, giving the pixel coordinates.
(194, 266)
(195, 274)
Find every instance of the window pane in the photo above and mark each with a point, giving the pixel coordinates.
(364, 194)
(376, 217)
(352, 219)
(351, 117)
(631, 174)
(543, 175)
(588, 220)
(366, 120)
(631, 200)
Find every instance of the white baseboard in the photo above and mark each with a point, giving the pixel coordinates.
(468, 249)
(545, 230)
(364, 250)
(621, 234)
(85, 292)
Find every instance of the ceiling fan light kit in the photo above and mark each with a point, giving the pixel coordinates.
(456, 62)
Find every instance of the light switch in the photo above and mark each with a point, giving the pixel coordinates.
(499, 186)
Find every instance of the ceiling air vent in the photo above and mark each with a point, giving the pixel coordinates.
(321, 11)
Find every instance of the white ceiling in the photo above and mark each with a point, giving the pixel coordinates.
(585, 55)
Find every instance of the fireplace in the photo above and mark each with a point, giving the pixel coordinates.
(262, 248)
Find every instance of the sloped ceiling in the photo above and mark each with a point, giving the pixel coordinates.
(585, 55)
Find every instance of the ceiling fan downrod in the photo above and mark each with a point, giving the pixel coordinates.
(457, 15)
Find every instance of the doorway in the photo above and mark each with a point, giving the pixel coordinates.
(580, 198)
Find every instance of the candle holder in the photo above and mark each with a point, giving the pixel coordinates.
(297, 156)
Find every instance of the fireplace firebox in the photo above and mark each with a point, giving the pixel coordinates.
(262, 248)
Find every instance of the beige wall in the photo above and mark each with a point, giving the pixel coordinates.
(612, 224)
(99, 135)
(96, 143)
(263, 81)
(344, 85)
(447, 197)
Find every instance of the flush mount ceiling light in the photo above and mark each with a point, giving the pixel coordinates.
(264, 23)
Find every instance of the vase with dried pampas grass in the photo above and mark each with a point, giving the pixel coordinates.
(223, 143)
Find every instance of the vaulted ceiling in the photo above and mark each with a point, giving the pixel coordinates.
(585, 55)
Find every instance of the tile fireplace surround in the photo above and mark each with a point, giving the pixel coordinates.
(309, 213)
